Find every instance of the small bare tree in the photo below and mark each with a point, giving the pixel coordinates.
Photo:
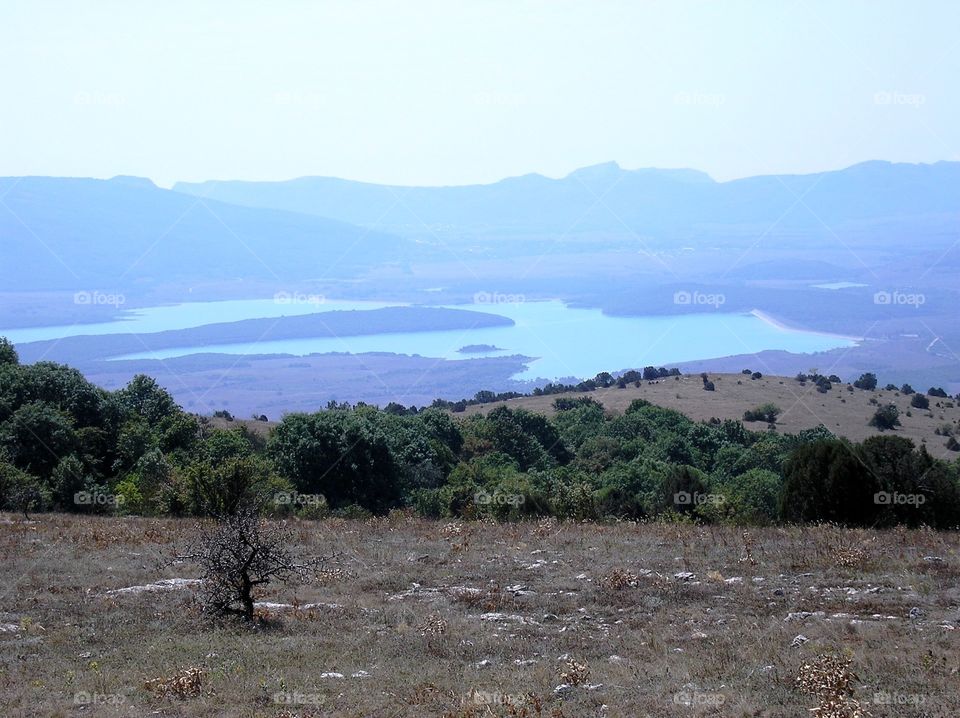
(241, 553)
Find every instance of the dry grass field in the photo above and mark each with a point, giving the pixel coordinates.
(845, 413)
(471, 620)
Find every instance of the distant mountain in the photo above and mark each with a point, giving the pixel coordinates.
(65, 233)
(606, 198)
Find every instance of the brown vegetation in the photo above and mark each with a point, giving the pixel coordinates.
(484, 620)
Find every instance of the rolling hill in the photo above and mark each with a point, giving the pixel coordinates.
(660, 203)
(70, 233)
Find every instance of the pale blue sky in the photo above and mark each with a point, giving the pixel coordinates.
(455, 92)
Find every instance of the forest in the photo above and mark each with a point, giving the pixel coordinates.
(67, 445)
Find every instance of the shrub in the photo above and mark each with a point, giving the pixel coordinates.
(866, 381)
(919, 401)
(826, 481)
(886, 417)
(764, 412)
(752, 497)
(239, 555)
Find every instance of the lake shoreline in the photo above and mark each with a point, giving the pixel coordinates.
(783, 326)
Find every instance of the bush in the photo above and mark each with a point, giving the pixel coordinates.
(866, 381)
(240, 554)
(827, 481)
(919, 401)
(751, 498)
(886, 417)
(764, 412)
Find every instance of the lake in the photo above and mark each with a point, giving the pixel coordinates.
(565, 341)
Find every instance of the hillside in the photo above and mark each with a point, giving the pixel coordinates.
(607, 198)
(123, 234)
(843, 412)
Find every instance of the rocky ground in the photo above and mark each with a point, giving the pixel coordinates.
(417, 618)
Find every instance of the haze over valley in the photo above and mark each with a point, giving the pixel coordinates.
(479, 359)
(852, 269)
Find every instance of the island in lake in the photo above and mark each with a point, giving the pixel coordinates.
(478, 349)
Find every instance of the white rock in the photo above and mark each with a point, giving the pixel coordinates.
(167, 584)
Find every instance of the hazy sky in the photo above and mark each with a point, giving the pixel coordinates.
(455, 92)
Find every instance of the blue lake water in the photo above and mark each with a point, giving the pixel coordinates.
(191, 314)
(564, 341)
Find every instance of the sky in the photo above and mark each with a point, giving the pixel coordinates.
(457, 92)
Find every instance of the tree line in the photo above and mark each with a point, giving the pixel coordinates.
(68, 445)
